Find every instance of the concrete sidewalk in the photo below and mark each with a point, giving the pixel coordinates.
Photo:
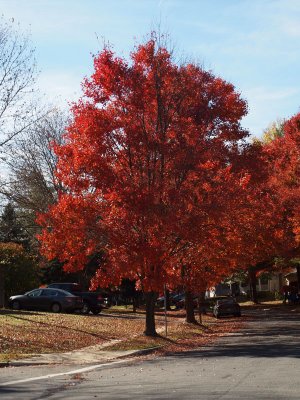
(88, 355)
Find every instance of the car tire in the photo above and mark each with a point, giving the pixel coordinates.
(238, 315)
(96, 311)
(16, 305)
(85, 309)
(56, 307)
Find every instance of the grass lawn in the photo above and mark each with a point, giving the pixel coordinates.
(23, 333)
(29, 332)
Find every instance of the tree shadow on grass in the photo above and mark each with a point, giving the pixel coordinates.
(53, 326)
(123, 316)
(5, 311)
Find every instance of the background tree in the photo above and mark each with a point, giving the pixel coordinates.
(17, 78)
(283, 154)
(31, 187)
(18, 271)
(31, 162)
(151, 146)
(11, 231)
(275, 130)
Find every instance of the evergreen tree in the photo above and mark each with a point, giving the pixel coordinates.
(11, 230)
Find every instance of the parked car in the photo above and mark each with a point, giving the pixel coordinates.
(227, 306)
(210, 302)
(92, 301)
(160, 302)
(293, 298)
(55, 300)
(179, 301)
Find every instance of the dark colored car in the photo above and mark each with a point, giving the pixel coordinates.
(227, 306)
(55, 300)
(179, 301)
(210, 302)
(92, 301)
(173, 297)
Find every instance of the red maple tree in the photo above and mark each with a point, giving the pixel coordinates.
(283, 155)
(147, 165)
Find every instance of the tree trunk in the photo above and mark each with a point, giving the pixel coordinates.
(134, 304)
(2, 294)
(189, 307)
(253, 291)
(150, 298)
(168, 305)
(201, 299)
(298, 277)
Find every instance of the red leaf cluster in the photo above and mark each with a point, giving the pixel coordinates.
(157, 174)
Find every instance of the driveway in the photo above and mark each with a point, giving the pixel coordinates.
(260, 362)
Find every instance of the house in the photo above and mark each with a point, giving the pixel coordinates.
(265, 283)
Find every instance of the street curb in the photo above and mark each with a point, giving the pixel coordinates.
(29, 364)
(143, 351)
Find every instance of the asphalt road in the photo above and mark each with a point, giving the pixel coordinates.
(260, 362)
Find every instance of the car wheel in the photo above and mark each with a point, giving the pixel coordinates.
(86, 308)
(56, 307)
(16, 305)
(96, 311)
(238, 314)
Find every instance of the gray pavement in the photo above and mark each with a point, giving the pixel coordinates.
(260, 362)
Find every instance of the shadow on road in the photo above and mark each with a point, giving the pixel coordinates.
(270, 334)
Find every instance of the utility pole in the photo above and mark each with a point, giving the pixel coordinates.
(165, 304)
(2, 295)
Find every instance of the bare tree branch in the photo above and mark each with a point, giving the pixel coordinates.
(17, 79)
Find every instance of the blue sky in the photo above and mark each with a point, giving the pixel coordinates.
(254, 44)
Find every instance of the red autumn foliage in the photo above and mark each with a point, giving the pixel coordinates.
(152, 170)
(283, 156)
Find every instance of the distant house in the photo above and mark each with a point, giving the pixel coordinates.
(265, 283)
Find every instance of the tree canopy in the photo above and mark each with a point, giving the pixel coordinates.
(157, 172)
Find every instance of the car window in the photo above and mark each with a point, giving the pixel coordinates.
(35, 293)
(49, 292)
(63, 286)
(63, 293)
